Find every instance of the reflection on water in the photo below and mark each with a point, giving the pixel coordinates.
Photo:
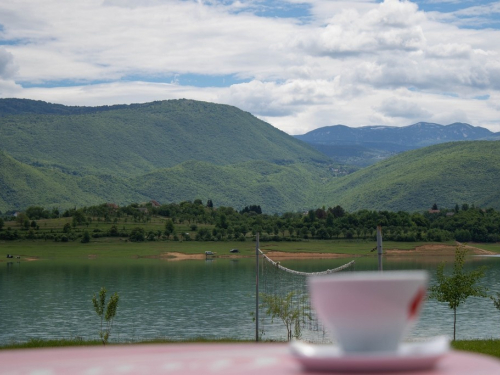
(188, 299)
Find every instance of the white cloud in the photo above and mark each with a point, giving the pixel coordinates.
(449, 117)
(270, 99)
(479, 10)
(393, 25)
(450, 50)
(353, 62)
(396, 107)
(7, 65)
(88, 41)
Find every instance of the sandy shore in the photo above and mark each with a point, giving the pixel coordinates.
(425, 250)
(436, 250)
(181, 256)
(175, 256)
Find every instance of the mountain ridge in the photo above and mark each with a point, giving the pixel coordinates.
(135, 139)
(367, 145)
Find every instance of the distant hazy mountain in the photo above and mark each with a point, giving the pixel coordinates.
(368, 144)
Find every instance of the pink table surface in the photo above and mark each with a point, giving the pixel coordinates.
(261, 359)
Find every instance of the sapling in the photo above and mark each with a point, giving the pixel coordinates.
(457, 287)
(107, 315)
(291, 309)
(496, 301)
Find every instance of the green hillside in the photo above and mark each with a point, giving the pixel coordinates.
(23, 185)
(446, 174)
(136, 139)
(275, 188)
(170, 151)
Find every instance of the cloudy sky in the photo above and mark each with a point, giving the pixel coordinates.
(297, 64)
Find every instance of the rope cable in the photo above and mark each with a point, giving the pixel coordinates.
(278, 265)
(278, 283)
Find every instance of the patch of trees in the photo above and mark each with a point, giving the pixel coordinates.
(462, 223)
(252, 208)
(38, 213)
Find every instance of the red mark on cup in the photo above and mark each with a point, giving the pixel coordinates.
(415, 304)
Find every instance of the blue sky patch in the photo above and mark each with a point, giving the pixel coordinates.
(281, 9)
(195, 80)
(59, 83)
(190, 79)
(446, 6)
(9, 42)
(271, 8)
(482, 97)
(201, 80)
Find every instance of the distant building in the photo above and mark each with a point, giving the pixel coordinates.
(155, 203)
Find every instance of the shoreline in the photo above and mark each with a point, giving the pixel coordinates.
(434, 250)
(109, 249)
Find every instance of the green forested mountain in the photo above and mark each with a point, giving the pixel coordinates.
(58, 156)
(276, 188)
(127, 141)
(22, 185)
(168, 151)
(446, 174)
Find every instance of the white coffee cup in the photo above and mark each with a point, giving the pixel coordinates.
(369, 311)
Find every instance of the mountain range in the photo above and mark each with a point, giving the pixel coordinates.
(367, 145)
(61, 156)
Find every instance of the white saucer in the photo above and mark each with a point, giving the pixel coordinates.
(409, 356)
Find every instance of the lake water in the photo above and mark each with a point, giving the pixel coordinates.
(190, 299)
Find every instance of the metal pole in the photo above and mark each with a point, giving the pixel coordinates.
(379, 247)
(257, 288)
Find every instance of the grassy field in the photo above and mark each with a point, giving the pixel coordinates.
(112, 247)
(103, 247)
(117, 248)
(489, 347)
(40, 343)
(495, 247)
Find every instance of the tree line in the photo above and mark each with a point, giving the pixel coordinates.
(465, 223)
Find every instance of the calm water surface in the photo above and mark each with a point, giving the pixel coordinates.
(189, 299)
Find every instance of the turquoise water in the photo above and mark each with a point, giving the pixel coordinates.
(188, 299)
